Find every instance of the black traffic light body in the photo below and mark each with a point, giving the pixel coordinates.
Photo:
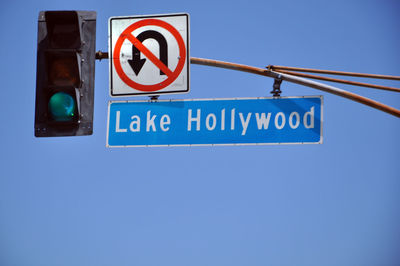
(65, 73)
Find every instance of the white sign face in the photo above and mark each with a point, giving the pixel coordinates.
(149, 55)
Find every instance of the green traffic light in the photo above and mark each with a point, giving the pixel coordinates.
(62, 107)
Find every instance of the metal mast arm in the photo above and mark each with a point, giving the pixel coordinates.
(333, 72)
(290, 78)
(300, 81)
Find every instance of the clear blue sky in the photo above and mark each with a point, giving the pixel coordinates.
(72, 201)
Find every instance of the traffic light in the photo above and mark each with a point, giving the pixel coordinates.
(65, 73)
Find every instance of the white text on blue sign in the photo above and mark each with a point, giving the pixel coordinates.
(202, 122)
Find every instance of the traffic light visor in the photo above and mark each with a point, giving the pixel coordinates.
(63, 29)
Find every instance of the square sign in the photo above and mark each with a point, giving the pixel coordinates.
(149, 55)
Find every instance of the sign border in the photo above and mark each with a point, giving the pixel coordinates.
(111, 55)
(224, 144)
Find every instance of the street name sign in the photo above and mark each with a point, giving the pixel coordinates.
(149, 55)
(245, 121)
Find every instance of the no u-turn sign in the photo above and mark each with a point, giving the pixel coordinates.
(149, 54)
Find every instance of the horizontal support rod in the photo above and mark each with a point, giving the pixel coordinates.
(300, 81)
(342, 93)
(332, 72)
(290, 78)
(361, 84)
(233, 66)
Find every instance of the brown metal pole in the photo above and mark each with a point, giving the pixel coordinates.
(342, 93)
(331, 72)
(298, 80)
(233, 66)
(361, 84)
(290, 78)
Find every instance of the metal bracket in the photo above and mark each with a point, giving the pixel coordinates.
(276, 92)
(101, 55)
(154, 98)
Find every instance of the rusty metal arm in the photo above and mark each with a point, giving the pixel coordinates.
(289, 78)
(339, 92)
(354, 83)
(300, 81)
(333, 72)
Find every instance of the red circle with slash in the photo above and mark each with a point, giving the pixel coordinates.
(127, 35)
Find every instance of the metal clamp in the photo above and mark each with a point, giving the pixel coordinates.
(154, 98)
(276, 92)
(101, 55)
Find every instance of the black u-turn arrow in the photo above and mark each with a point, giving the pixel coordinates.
(136, 63)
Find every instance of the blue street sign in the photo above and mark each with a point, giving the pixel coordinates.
(288, 120)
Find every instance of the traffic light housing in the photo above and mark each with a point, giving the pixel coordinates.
(65, 73)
